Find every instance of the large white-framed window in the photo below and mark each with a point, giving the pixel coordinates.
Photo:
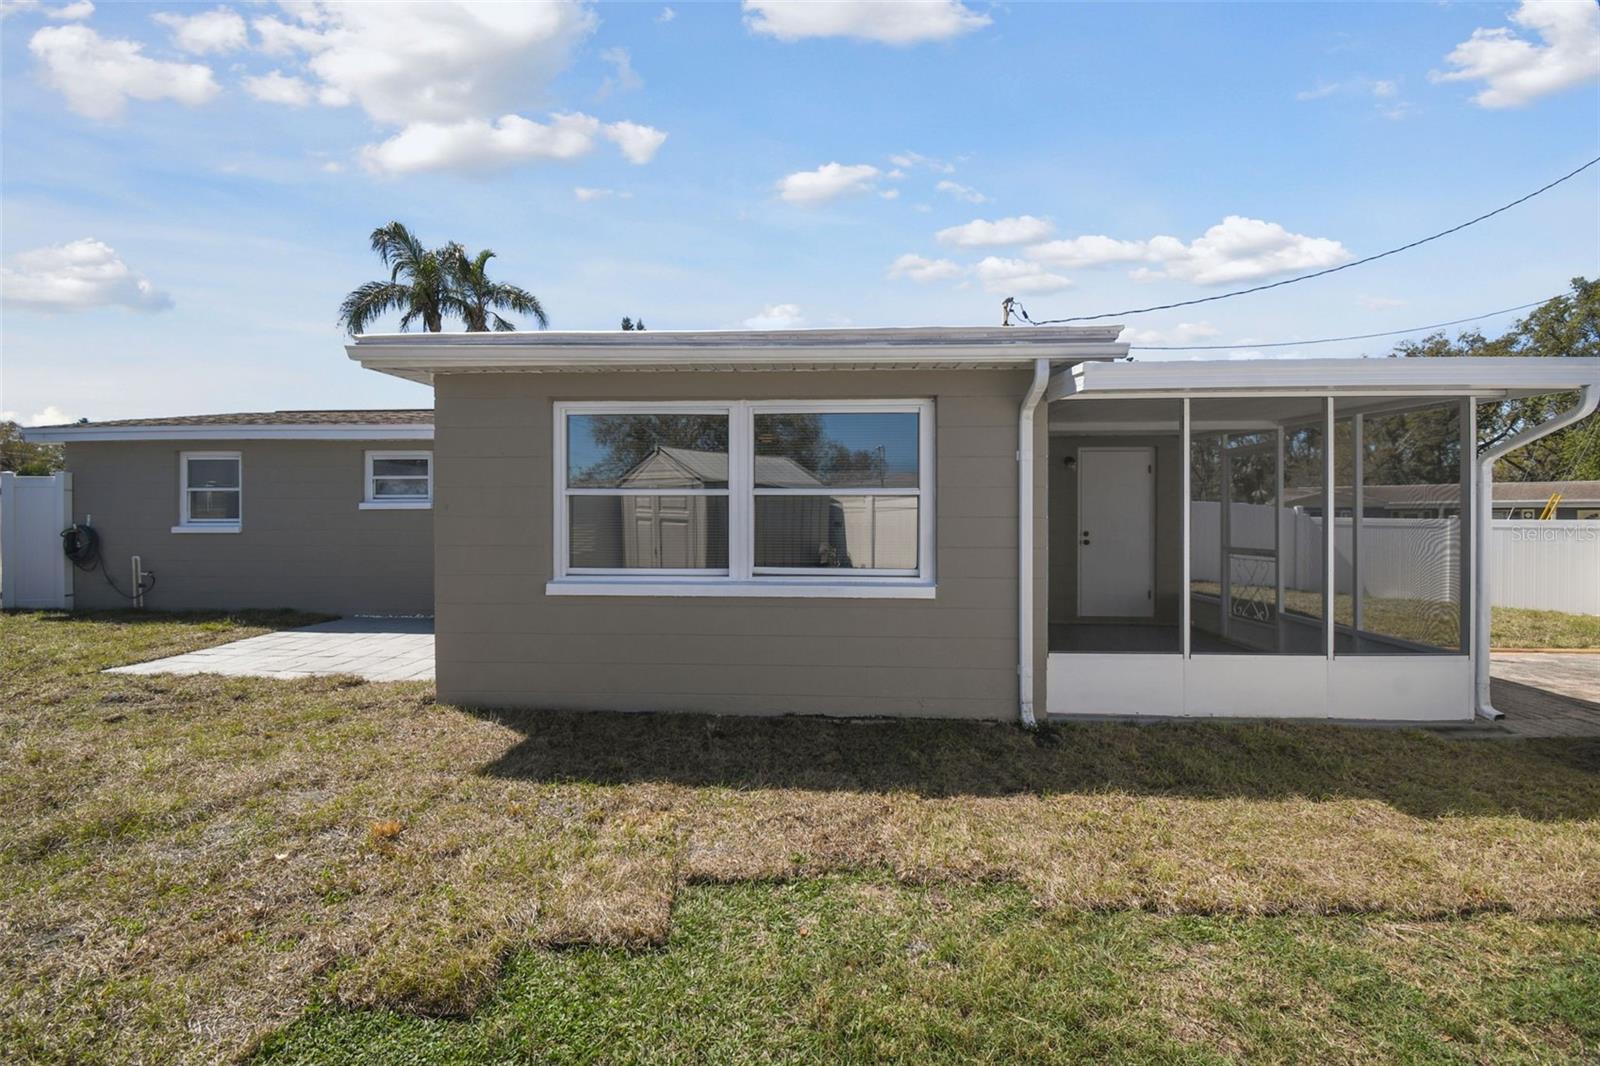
(398, 480)
(210, 492)
(744, 498)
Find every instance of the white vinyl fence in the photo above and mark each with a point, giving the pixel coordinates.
(1552, 566)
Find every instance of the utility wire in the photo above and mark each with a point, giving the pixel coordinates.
(1329, 340)
(1023, 314)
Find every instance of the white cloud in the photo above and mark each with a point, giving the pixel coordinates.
(1380, 303)
(777, 316)
(623, 78)
(981, 233)
(436, 62)
(902, 22)
(912, 160)
(1182, 333)
(436, 70)
(73, 12)
(1235, 249)
(638, 143)
(962, 192)
(827, 182)
(1007, 277)
(77, 276)
(890, 194)
(1384, 94)
(49, 416)
(99, 75)
(474, 144)
(1516, 71)
(667, 15)
(918, 268)
(1079, 252)
(586, 194)
(276, 87)
(222, 30)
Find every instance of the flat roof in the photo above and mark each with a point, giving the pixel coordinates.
(1486, 377)
(418, 356)
(411, 423)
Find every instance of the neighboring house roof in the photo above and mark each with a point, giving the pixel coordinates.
(414, 423)
(417, 356)
(712, 468)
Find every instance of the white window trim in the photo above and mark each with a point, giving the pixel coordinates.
(371, 501)
(207, 525)
(742, 578)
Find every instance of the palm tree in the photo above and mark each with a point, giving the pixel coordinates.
(475, 296)
(419, 286)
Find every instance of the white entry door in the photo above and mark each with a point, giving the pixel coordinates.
(1116, 532)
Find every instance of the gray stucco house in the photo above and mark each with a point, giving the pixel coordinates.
(994, 523)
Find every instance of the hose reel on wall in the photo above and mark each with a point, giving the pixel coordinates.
(81, 545)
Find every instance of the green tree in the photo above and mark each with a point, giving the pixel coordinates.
(475, 297)
(420, 285)
(429, 285)
(630, 325)
(29, 460)
(1567, 326)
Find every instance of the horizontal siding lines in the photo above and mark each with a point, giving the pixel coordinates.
(702, 703)
(768, 682)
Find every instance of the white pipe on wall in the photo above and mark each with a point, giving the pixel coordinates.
(1030, 404)
(1588, 400)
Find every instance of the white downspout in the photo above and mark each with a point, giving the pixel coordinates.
(1030, 403)
(1588, 400)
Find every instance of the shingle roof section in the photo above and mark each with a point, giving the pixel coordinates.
(410, 416)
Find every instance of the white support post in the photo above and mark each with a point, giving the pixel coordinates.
(1330, 598)
(1357, 506)
(1277, 542)
(1465, 578)
(1186, 596)
(1225, 540)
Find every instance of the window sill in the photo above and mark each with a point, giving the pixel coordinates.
(208, 529)
(395, 505)
(864, 589)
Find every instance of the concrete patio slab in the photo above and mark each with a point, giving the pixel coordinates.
(1547, 694)
(376, 649)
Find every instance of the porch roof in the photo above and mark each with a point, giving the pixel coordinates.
(1485, 378)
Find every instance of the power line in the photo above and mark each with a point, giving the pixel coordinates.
(1023, 314)
(1329, 340)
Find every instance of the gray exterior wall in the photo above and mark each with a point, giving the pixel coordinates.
(503, 642)
(1063, 578)
(304, 542)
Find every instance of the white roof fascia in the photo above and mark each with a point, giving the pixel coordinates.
(417, 356)
(348, 431)
(1489, 377)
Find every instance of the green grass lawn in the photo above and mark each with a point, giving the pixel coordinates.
(197, 869)
(1437, 622)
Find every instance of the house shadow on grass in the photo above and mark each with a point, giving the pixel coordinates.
(1418, 773)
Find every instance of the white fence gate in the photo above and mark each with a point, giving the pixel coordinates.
(33, 570)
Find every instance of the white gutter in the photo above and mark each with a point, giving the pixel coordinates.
(1030, 404)
(1588, 400)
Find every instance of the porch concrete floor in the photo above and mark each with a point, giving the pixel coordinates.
(377, 649)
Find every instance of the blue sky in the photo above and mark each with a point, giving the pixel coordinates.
(186, 190)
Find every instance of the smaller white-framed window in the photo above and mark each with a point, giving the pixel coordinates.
(210, 492)
(398, 481)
